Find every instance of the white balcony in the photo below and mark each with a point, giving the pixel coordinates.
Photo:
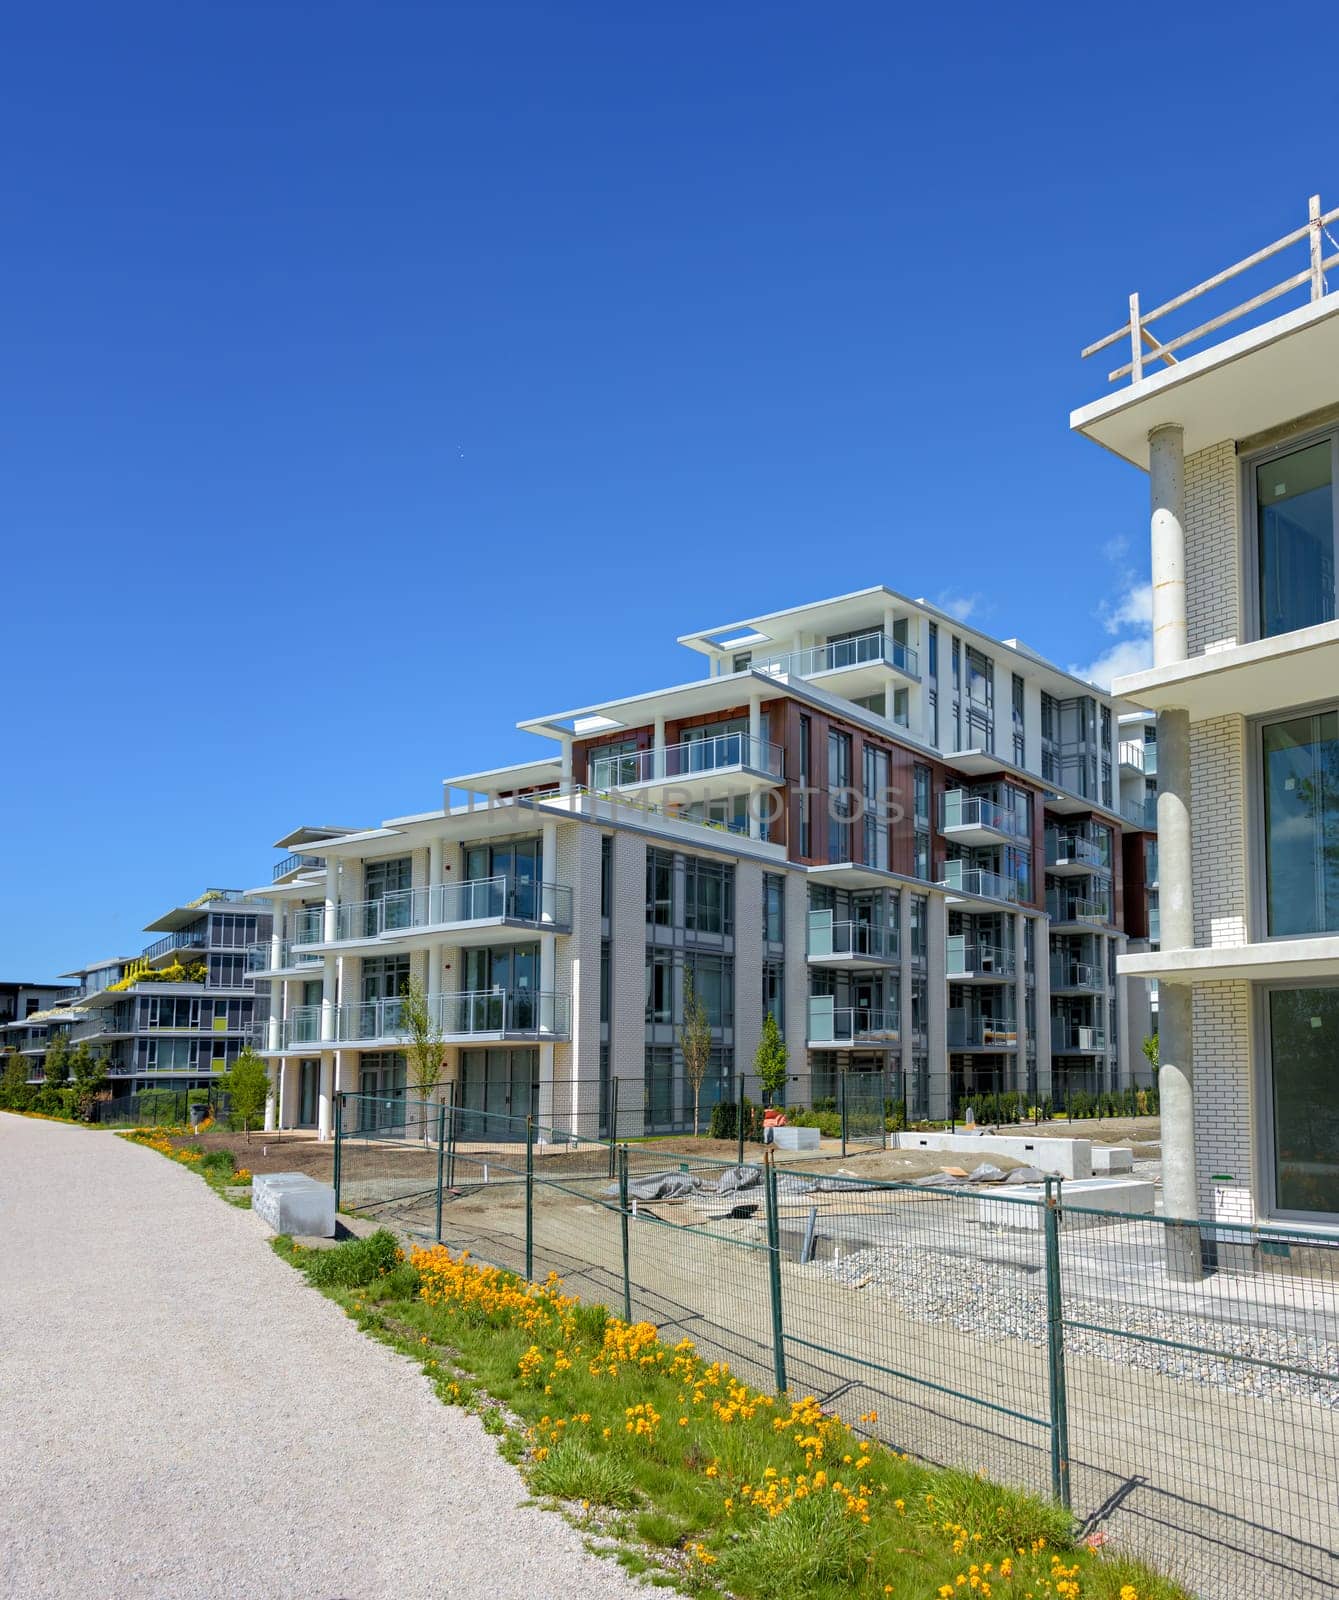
(476, 1016)
(854, 668)
(1076, 910)
(971, 819)
(1071, 1038)
(498, 910)
(978, 961)
(849, 943)
(1068, 852)
(697, 769)
(965, 882)
(834, 1027)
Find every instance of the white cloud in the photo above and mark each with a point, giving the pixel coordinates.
(961, 606)
(1133, 609)
(1128, 655)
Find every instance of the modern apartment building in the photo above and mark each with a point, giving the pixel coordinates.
(178, 1014)
(20, 1000)
(1240, 440)
(897, 834)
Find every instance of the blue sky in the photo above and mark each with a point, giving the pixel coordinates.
(376, 376)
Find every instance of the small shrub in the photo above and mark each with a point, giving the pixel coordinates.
(219, 1164)
(572, 1472)
(354, 1263)
(808, 1547)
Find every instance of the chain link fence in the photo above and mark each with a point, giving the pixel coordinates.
(1177, 1386)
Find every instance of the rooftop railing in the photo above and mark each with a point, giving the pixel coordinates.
(1147, 348)
(865, 648)
(293, 864)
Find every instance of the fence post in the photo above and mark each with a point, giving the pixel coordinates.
(740, 1119)
(613, 1124)
(1055, 1348)
(774, 1269)
(530, 1199)
(441, 1161)
(339, 1144)
(623, 1218)
(451, 1136)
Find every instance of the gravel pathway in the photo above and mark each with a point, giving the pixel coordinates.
(180, 1415)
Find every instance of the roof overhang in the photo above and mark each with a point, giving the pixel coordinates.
(1292, 959)
(1246, 385)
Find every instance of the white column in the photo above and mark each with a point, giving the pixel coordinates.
(284, 1119)
(277, 937)
(433, 911)
(325, 1098)
(273, 1069)
(331, 901)
(329, 997)
(278, 1010)
(565, 769)
(658, 747)
(548, 868)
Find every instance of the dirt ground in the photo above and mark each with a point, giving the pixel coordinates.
(269, 1152)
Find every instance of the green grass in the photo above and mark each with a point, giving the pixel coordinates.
(742, 1496)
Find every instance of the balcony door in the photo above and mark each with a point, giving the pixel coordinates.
(521, 863)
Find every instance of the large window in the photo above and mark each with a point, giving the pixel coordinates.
(1295, 536)
(839, 796)
(1304, 1100)
(1301, 799)
(660, 888)
(708, 896)
(774, 907)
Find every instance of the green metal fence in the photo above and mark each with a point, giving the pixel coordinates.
(1192, 1419)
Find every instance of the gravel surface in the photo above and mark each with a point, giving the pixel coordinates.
(181, 1416)
(979, 1299)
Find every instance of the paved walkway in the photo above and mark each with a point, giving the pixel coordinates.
(180, 1415)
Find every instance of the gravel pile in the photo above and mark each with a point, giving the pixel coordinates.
(991, 1303)
(184, 1417)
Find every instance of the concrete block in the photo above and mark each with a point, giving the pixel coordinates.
(1108, 1158)
(795, 1138)
(1064, 1158)
(293, 1202)
(1112, 1197)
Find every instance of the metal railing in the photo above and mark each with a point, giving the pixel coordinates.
(290, 955)
(1077, 1035)
(186, 939)
(834, 1024)
(1064, 848)
(497, 899)
(1062, 907)
(981, 1033)
(1067, 974)
(1136, 329)
(293, 863)
(616, 797)
(960, 878)
(979, 957)
(960, 808)
(309, 925)
(850, 938)
(876, 646)
(521, 1013)
(721, 752)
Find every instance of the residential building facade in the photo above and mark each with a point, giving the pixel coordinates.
(1240, 440)
(174, 1017)
(900, 836)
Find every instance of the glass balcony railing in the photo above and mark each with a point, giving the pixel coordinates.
(876, 647)
(1061, 907)
(850, 939)
(981, 1033)
(185, 939)
(959, 878)
(290, 955)
(530, 1012)
(1077, 1036)
(959, 808)
(722, 752)
(1073, 849)
(301, 1026)
(1075, 975)
(479, 900)
(978, 957)
(833, 1024)
(1141, 813)
(309, 925)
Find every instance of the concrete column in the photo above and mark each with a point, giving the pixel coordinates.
(325, 1097)
(1041, 996)
(284, 1118)
(754, 756)
(329, 1000)
(1176, 1075)
(433, 910)
(658, 748)
(278, 1010)
(904, 975)
(273, 1070)
(331, 900)
(548, 838)
(565, 768)
(1016, 923)
(277, 936)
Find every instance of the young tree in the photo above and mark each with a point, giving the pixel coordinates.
(425, 1043)
(89, 1072)
(56, 1063)
(15, 1093)
(695, 1042)
(248, 1087)
(1150, 1049)
(770, 1059)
